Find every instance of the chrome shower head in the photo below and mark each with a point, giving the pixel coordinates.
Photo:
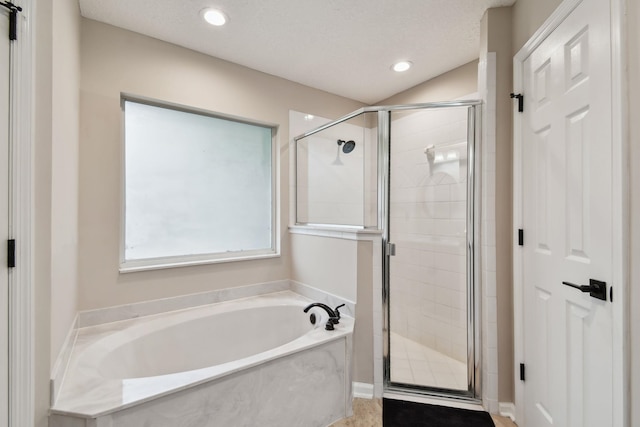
(348, 145)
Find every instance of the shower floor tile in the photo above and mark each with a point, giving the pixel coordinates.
(414, 363)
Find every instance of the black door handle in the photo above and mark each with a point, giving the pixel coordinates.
(596, 288)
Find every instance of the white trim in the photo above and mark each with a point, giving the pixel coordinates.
(336, 232)
(363, 390)
(486, 284)
(620, 200)
(518, 291)
(21, 313)
(549, 26)
(507, 409)
(621, 220)
(133, 266)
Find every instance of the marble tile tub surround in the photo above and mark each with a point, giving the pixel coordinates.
(99, 383)
(101, 316)
(256, 396)
(147, 308)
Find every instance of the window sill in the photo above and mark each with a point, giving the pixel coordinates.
(175, 262)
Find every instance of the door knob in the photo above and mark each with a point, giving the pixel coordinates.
(596, 288)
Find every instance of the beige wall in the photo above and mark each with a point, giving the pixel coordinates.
(528, 16)
(326, 263)
(453, 84)
(497, 22)
(64, 169)
(56, 118)
(115, 61)
(363, 334)
(42, 210)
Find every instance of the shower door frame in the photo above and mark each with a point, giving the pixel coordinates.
(474, 357)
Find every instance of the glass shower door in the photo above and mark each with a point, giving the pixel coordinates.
(430, 264)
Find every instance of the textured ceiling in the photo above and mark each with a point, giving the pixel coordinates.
(345, 47)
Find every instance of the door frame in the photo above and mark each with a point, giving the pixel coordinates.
(620, 198)
(21, 202)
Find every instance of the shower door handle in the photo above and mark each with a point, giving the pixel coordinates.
(391, 249)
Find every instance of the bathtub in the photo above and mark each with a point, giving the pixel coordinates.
(253, 361)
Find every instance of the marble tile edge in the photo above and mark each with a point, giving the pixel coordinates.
(62, 360)
(325, 297)
(146, 308)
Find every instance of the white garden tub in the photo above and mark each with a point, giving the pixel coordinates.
(254, 361)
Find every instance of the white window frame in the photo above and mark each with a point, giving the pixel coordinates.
(127, 266)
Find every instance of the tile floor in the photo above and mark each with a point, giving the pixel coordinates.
(414, 363)
(368, 413)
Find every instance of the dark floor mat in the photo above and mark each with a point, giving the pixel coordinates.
(398, 413)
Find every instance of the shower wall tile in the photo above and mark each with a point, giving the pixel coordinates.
(489, 282)
(458, 210)
(488, 208)
(428, 223)
(489, 230)
(489, 177)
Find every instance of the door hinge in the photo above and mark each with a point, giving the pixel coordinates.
(13, 18)
(522, 372)
(520, 98)
(391, 249)
(11, 253)
(520, 237)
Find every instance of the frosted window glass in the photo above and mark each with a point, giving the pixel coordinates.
(195, 184)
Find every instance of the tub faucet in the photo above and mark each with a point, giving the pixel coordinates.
(333, 317)
(337, 311)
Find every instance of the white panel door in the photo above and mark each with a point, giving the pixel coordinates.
(4, 216)
(567, 218)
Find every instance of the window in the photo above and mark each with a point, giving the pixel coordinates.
(199, 188)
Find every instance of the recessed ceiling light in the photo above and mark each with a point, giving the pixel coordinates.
(214, 17)
(401, 66)
(309, 117)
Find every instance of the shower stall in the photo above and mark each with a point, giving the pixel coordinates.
(410, 171)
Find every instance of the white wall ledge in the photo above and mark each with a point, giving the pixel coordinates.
(337, 232)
